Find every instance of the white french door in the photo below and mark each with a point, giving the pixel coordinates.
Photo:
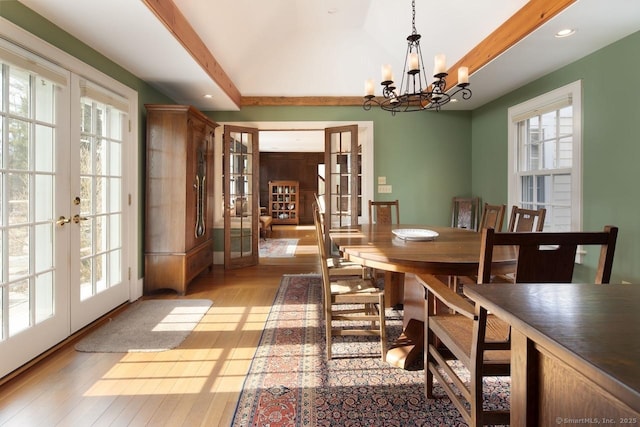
(96, 202)
(34, 309)
(62, 223)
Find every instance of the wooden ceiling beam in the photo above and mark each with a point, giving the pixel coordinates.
(169, 14)
(300, 101)
(526, 20)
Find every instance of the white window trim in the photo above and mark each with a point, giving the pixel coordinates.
(515, 113)
(575, 91)
(17, 35)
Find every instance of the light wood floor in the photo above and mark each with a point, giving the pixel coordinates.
(196, 384)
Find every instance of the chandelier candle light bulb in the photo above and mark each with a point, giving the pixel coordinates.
(386, 73)
(439, 66)
(463, 75)
(414, 64)
(368, 88)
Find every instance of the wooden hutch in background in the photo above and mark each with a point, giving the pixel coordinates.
(284, 202)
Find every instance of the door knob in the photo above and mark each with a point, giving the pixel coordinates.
(77, 218)
(62, 221)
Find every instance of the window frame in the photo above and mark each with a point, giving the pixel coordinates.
(544, 103)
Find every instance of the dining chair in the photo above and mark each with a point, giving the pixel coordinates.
(383, 211)
(465, 212)
(493, 216)
(351, 299)
(526, 219)
(337, 265)
(479, 341)
(521, 220)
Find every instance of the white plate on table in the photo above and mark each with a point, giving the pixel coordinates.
(418, 234)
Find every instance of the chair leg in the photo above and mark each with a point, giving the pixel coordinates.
(383, 328)
(429, 378)
(428, 340)
(328, 331)
(476, 402)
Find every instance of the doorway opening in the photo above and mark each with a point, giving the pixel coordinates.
(292, 137)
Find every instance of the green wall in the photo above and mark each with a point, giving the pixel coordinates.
(425, 156)
(35, 24)
(611, 146)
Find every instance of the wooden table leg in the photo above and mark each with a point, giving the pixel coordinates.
(407, 349)
(394, 288)
(524, 380)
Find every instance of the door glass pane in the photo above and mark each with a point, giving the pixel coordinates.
(27, 183)
(101, 194)
(100, 232)
(44, 197)
(18, 252)
(100, 197)
(241, 194)
(115, 195)
(19, 307)
(85, 156)
(341, 179)
(114, 230)
(115, 268)
(43, 246)
(18, 189)
(115, 154)
(44, 296)
(86, 239)
(44, 149)
(86, 288)
(86, 190)
(100, 272)
(18, 144)
(45, 98)
(19, 92)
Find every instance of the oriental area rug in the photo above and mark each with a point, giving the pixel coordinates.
(290, 382)
(277, 248)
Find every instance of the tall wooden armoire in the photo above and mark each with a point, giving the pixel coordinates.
(178, 222)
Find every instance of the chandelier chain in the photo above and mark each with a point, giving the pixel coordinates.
(413, 17)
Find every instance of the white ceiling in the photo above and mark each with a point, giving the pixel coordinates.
(328, 47)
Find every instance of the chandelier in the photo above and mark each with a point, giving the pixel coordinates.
(415, 93)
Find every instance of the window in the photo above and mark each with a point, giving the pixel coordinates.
(545, 157)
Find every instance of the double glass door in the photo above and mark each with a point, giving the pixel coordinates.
(61, 201)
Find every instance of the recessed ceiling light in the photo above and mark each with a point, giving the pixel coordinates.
(208, 96)
(565, 33)
(332, 11)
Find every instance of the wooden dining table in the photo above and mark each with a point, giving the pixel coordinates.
(453, 252)
(574, 351)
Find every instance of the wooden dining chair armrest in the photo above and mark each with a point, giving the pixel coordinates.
(444, 293)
